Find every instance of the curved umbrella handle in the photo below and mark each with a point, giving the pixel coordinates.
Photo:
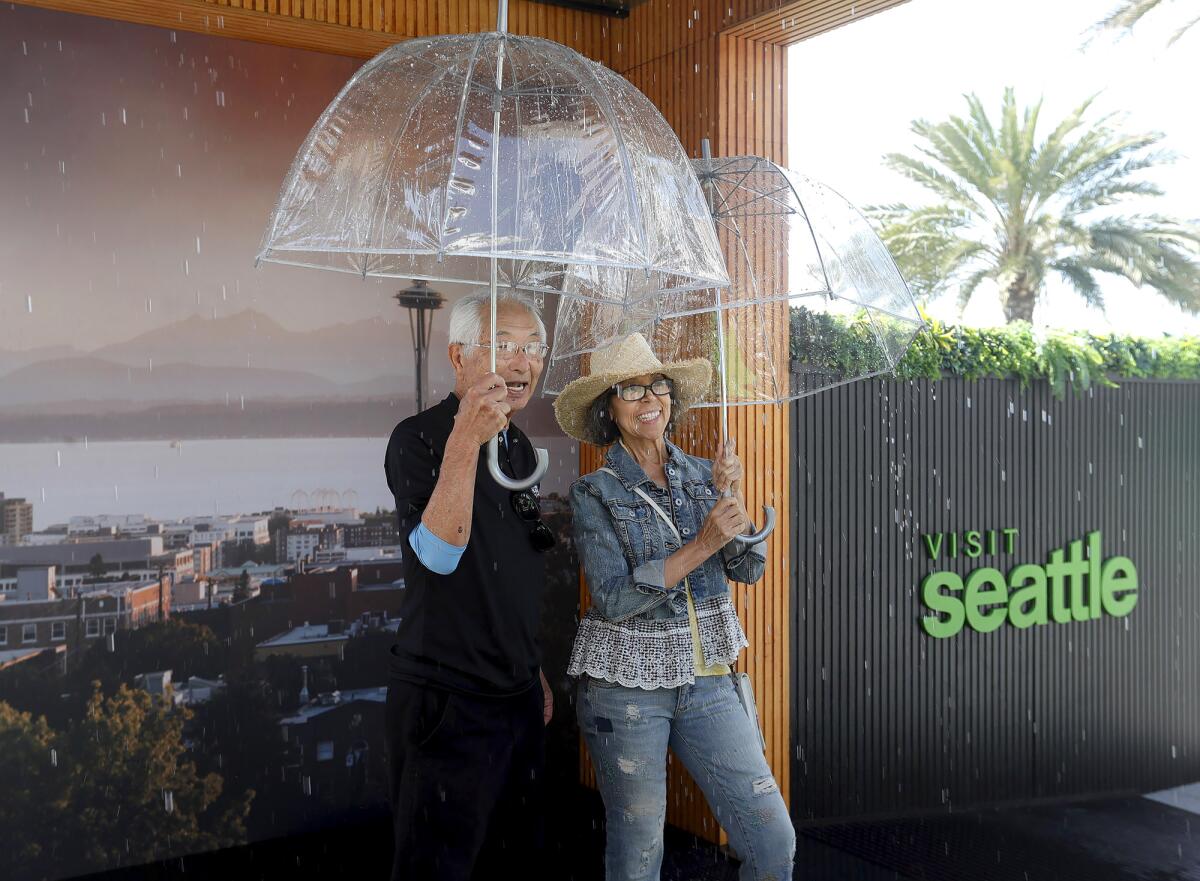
(516, 484)
(768, 528)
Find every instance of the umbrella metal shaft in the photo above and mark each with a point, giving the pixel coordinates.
(706, 152)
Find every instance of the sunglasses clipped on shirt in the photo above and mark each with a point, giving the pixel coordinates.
(634, 392)
(525, 504)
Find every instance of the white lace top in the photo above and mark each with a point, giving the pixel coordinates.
(643, 653)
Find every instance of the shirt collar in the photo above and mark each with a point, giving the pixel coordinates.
(628, 471)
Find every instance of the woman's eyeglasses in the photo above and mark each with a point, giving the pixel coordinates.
(526, 506)
(634, 392)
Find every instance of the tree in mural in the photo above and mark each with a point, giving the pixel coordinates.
(117, 788)
(135, 795)
(1015, 209)
(36, 785)
(241, 593)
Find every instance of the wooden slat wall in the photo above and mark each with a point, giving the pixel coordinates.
(357, 28)
(788, 23)
(716, 69)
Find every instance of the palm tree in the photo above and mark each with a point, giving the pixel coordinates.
(1014, 210)
(1130, 12)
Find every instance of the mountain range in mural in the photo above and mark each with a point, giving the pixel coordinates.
(244, 375)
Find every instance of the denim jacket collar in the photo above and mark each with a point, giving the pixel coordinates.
(628, 471)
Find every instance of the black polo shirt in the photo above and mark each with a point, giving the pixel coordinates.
(476, 629)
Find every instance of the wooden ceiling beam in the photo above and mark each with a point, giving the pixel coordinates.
(801, 20)
(229, 21)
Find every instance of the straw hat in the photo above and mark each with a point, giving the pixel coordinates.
(625, 358)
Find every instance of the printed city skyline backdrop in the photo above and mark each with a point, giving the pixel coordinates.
(141, 166)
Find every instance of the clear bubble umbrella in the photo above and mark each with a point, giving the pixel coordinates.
(816, 300)
(502, 160)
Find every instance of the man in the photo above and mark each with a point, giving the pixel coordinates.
(466, 699)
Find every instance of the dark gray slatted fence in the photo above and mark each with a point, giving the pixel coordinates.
(888, 721)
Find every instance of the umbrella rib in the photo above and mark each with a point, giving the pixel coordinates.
(634, 207)
(391, 164)
(769, 196)
(816, 245)
(734, 188)
(462, 112)
(294, 171)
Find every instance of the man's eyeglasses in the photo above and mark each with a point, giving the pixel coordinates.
(525, 503)
(634, 392)
(507, 350)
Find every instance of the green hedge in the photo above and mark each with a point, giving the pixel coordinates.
(848, 345)
(1061, 358)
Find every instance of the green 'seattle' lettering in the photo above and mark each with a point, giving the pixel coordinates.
(1070, 587)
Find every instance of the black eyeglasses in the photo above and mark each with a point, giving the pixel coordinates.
(635, 392)
(526, 505)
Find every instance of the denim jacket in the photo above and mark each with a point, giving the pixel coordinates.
(623, 543)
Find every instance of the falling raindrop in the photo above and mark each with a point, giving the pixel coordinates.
(29, 304)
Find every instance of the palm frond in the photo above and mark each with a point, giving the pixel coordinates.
(931, 178)
(1183, 30)
(1015, 206)
(1082, 279)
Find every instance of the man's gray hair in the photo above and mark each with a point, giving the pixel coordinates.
(469, 317)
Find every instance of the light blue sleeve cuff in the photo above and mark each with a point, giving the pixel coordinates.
(435, 554)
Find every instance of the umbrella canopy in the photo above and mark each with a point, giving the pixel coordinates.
(443, 155)
(815, 301)
(499, 159)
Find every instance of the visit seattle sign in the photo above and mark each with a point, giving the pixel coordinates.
(1070, 586)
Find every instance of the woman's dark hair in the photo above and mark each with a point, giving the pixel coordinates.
(602, 429)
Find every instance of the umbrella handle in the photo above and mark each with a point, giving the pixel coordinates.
(768, 528)
(513, 483)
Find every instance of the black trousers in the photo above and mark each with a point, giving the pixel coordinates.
(466, 783)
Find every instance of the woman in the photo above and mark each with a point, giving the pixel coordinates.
(656, 538)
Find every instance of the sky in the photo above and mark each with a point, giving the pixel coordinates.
(853, 93)
(138, 169)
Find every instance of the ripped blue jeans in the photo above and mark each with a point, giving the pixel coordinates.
(628, 730)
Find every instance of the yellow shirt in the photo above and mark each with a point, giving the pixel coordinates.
(697, 653)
